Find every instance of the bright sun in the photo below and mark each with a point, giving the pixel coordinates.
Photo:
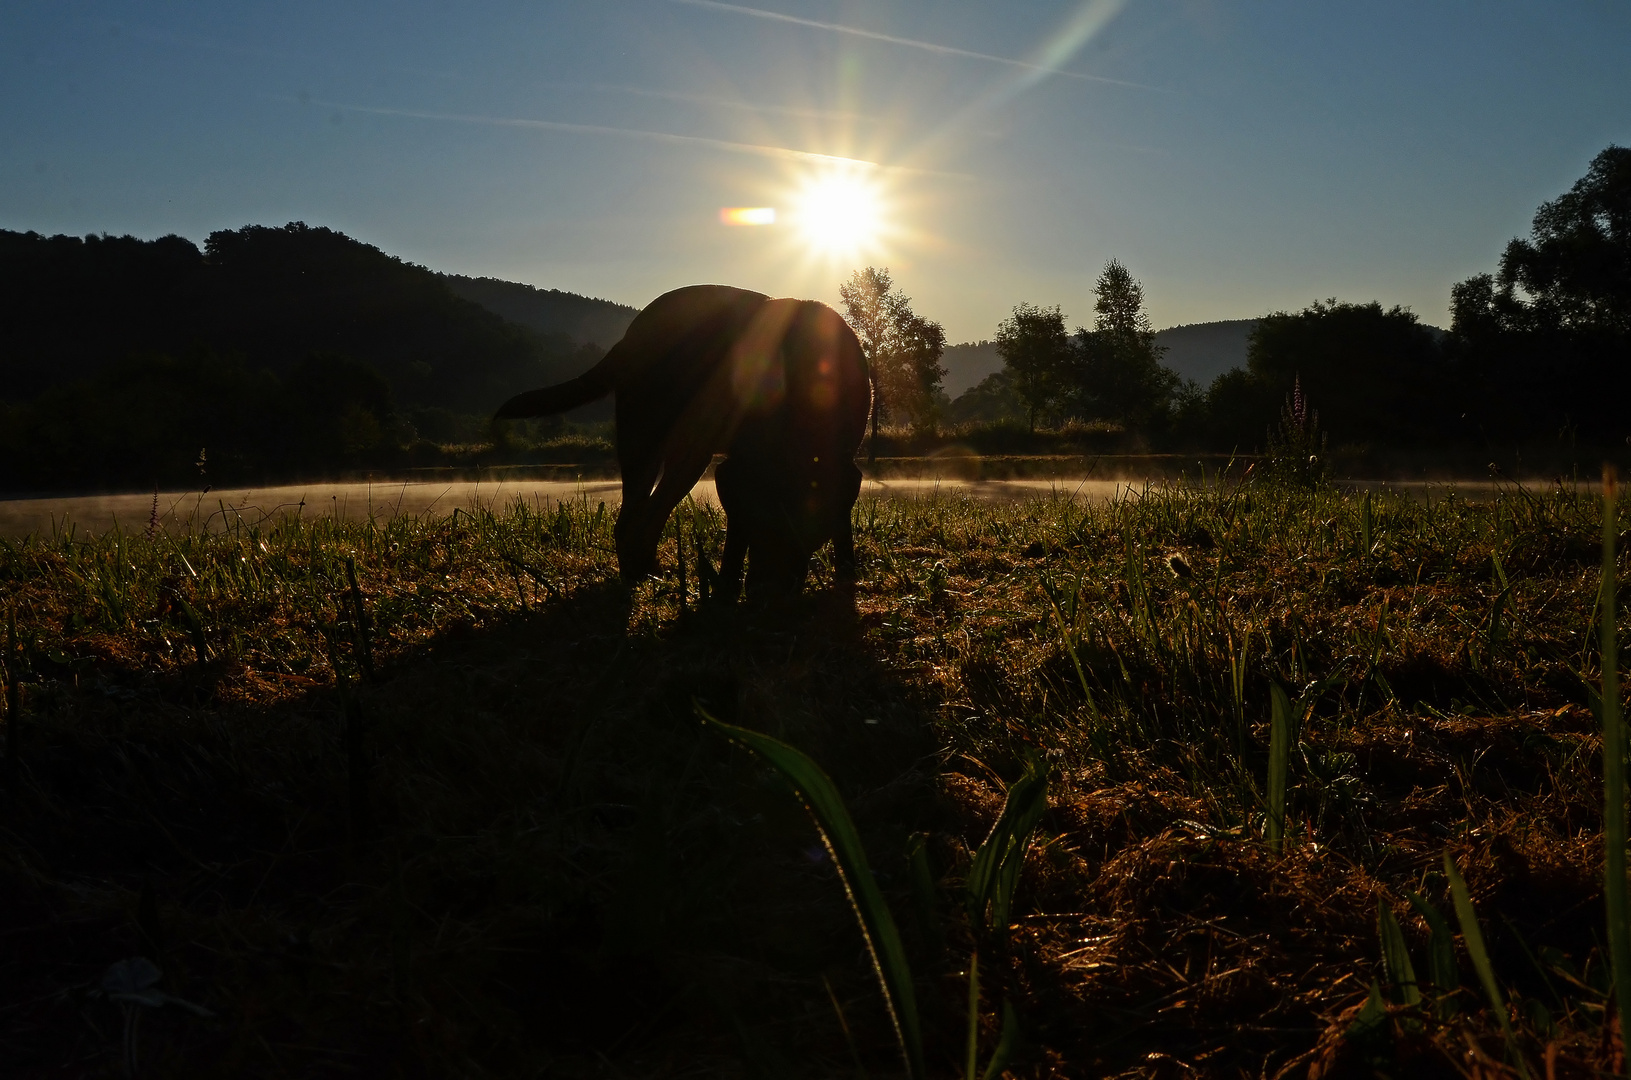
(839, 214)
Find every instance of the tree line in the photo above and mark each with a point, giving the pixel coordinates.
(269, 353)
(275, 352)
(1538, 352)
(271, 296)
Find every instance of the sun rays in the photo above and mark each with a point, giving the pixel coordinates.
(840, 214)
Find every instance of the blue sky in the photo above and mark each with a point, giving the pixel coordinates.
(1239, 158)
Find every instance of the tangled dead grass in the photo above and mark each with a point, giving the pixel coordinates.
(529, 856)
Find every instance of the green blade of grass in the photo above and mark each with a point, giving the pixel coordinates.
(359, 619)
(1396, 965)
(1614, 891)
(1473, 937)
(843, 844)
(990, 892)
(195, 629)
(997, 863)
(923, 893)
(1372, 1016)
(1069, 641)
(843, 1026)
(1237, 686)
(972, 1047)
(1365, 527)
(1279, 764)
(1005, 1044)
(1441, 967)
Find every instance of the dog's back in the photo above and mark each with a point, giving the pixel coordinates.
(780, 386)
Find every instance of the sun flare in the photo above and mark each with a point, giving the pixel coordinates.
(839, 214)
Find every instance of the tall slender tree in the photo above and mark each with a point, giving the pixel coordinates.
(902, 349)
(1120, 374)
(1119, 305)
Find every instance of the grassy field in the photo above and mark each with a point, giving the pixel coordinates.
(461, 817)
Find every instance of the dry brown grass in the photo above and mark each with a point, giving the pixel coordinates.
(563, 872)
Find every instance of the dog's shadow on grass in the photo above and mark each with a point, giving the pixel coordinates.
(560, 864)
(656, 882)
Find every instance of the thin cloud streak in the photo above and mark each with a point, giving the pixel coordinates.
(911, 43)
(783, 153)
(731, 103)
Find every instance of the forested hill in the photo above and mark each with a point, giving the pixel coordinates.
(967, 364)
(71, 307)
(1203, 351)
(549, 311)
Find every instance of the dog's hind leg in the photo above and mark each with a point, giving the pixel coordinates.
(843, 537)
(641, 521)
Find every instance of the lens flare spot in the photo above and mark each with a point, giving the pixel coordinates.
(748, 215)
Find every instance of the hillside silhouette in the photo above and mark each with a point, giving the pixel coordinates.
(585, 320)
(1203, 351)
(71, 308)
(967, 364)
(268, 354)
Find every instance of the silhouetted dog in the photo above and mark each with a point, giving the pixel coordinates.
(780, 386)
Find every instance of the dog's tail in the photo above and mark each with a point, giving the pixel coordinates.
(592, 385)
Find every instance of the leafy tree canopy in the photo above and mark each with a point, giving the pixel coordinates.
(1543, 346)
(1036, 354)
(1574, 271)
(1371, 372)
(990, 400)
(1119, 304)
(1120, 375)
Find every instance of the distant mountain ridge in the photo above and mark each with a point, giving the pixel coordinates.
(967, 364)
(584, 319)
